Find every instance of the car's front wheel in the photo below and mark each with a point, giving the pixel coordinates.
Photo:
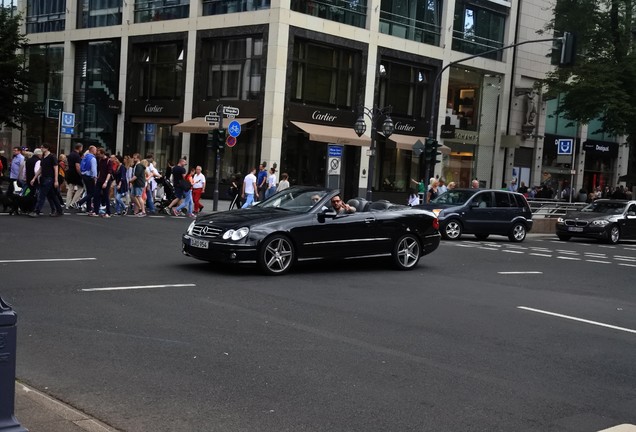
(406, 252)
(614, 234)
(276, 255)
(452, 230)
(517, 233)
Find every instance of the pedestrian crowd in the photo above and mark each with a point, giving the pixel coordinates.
(93, 178)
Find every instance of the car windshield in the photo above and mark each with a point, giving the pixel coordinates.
(453, 197)
(605, 208)
(297, 200)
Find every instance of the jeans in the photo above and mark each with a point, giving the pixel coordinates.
(249, 199)
(47, 191)
(89, 185)
(120, 206)
(150, 203)
(187, 201)
(102, 197)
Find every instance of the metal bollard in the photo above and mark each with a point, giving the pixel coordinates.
(8, 319)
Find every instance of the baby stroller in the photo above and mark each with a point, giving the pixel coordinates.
(168, 194)
(22, 200)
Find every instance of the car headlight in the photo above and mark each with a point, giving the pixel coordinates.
(191, 227)
(236, 234)
(600, 222)
(560, 220)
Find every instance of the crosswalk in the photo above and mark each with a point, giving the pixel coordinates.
(623, 255)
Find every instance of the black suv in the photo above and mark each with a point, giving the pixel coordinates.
(482, 212)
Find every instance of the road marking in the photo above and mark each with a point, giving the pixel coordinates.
(487, 248)
(138, 287)
(597, 261)
(47, 260)
(542, 255)
(627, 265)
(624, 258)
(519, 272)
(567, 252)
(569, 258)
(600, 324)
(514, 251)
(607, 247)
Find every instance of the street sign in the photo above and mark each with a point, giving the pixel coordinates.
(334, 166)
(234, 128)
(68, 120)
(564, 146)
(230, 111)
(212, 118)
(335, 151)
(53, 108)
(230, 141)
(67, 130)
(418, 148)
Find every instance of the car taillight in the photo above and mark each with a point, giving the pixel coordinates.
(436, 224)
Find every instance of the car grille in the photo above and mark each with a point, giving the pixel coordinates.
(207, 231)
(578, 223)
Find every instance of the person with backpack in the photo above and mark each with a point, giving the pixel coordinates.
(88, 169)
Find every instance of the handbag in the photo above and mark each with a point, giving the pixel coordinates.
(185, 185)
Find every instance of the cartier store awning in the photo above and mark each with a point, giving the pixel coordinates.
(332, 134)
(405, 142)
(198, 125)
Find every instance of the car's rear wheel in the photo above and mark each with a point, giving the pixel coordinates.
(481, 236)
(452, 230)
(276, 255)
(517, 233)
(564, 237)
(614, 234)
(406, 252)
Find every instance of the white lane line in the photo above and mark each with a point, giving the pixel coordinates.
(569, 258)
(607, 247)
(600, 324)
(598, 261)
(627, 265)
(568, 252)
(47, 260)
(514, 251)
(465, 245)
(542, 255)
(487, 248)
(519, 272)
(138, 287)
(624, 258)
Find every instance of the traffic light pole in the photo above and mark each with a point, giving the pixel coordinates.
(217, 174)
(432, 133)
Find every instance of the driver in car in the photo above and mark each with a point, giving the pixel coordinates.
(340, 206)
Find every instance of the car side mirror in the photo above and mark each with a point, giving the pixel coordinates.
(326, 213)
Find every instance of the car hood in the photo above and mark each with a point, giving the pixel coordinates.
(245, 217)
(586, 215)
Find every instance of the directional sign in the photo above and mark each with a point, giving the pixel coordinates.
(68, 119)
(53, 108)
(230, 141)
(234, 128)
(67, 130)
(335, 151)
(212, 117)
(564, 146)
(230, 111)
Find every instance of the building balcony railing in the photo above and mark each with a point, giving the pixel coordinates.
(219, 7)
(409, 28)
(157, 11)
(471, 44)
(352, 12)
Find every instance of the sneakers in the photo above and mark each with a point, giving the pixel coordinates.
(105, 215)
(140, 214)
(192, 215)
(33, 214)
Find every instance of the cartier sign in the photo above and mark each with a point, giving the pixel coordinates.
(150, 108)
(404, 127)
(141, 107)
(317, 115)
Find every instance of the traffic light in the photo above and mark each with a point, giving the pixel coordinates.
(568, 49)
(221, 137)
(431, 153)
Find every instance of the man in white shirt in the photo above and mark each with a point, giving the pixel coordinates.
(198, 188)
(151, 175)
(249, 187)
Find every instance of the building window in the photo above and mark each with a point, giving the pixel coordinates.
(418, 20)
(98, 13)
(352, 12)
(477, 30)
(161, 10)
(325, 75)
(45, 16)
(160, 71)
(235, 68)
(404, 87)
(96, 86)
(219, 7)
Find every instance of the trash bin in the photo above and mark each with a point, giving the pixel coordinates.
(8, 320)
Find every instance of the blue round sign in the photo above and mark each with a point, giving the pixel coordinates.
(234, 128)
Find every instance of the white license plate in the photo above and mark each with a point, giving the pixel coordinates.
(203, 244)
(575, 229)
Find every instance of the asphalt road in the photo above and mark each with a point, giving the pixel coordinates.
(468, 341)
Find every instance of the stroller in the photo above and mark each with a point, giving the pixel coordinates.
(164, 201)
(22, 200)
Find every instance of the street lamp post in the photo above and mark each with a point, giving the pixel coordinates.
(360, 128)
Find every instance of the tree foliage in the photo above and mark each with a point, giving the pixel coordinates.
(602, 82)
(14, 76)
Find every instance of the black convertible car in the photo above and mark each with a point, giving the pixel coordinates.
(299, 223)
(604, 219)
